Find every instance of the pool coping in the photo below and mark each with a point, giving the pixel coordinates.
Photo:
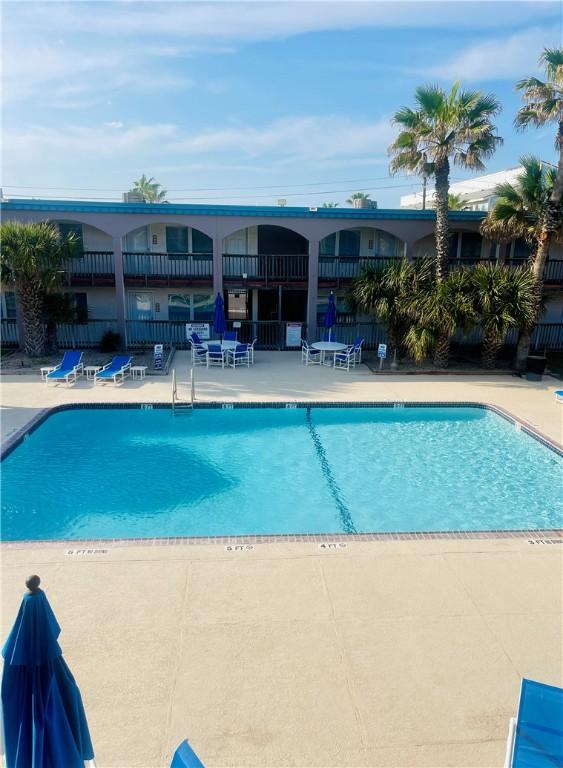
(551, 535)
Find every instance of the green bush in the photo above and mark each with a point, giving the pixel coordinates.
(110, 342)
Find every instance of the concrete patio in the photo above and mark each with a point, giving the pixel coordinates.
(390, 653)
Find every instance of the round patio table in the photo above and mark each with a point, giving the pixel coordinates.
(332, 347)
(224, 344)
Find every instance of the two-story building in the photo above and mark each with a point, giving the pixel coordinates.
(144, 270)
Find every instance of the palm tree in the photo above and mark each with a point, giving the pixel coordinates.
(329, 205)
(504, 298)
(33, 258)
(543, 104)
(59, 308)
(149, 189)
(384, 292)
(444, 127)
(358, 196)
(519, 212)
(456, 202)
(437, 311)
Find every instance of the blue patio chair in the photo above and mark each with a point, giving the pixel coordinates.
(240, 355)
(114, 372)
(68, 369)
(310, 356)
(194, 338)
(215, 355)
(358, 344)
(230, 336)
(347, 359)
(199, 354)
(559, 395)
(535, 737)
(185, 757)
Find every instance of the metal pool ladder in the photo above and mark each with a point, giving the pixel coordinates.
(179, 404)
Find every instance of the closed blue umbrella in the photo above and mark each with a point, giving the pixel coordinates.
(219, 316)
(330, 316)
(44, 721)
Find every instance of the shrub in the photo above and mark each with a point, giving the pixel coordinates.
(110, 342)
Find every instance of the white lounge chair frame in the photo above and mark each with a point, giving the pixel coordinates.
(78, 370)
(310, 356)
(124, 371)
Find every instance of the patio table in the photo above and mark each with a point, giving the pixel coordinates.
(332, 347)
(225, 345)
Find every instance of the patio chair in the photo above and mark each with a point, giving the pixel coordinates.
(68, 369)
(230, 336)
(251, 351)
(558, 395)
(347, 359)
(310, 356)
(194, 338)
(215, 355)
(240, 355)
(114, 372)
(358, 344)
(199, 354)
(535, 736)
(185, 757)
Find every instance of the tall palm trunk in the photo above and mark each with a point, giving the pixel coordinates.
(551, 223)
(30, 297)
(491, 348)
(442, 351)
(442, 175)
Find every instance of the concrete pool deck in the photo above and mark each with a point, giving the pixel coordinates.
(386, 653)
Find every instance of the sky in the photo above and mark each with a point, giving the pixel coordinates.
(248, 103)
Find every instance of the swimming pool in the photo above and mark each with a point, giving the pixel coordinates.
(128, 473)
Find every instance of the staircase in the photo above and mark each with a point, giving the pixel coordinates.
(182, 400)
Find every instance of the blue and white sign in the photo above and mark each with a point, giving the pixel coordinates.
(382, 351)
(158, 355)
(202, 330)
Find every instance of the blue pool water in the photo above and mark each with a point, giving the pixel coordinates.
(95, 473)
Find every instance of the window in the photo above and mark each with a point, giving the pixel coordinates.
(237, 305)
(349, 242)
(177, 240)
(179, 306)
(8, 306)
(471, 245)
(521, 249)
(137, 240)
(67, 228)
(327, 246)
(80, 305)
(204, 307)
(201, 243)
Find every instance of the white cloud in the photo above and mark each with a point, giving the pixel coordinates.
(294, 137)
(506, 58)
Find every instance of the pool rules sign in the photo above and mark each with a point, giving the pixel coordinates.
(382, 354)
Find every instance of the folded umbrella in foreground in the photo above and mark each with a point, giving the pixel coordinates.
(43, 716)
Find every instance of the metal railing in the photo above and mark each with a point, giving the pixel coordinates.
(9, 333)
(168, 266)
(337, 268)
(144, 333)
(90, 265)
(84, 335)
(266, 268)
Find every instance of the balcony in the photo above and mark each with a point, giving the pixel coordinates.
(266, 269)
(334, 270)
(167, 268)
(91, 268)
(552, 274)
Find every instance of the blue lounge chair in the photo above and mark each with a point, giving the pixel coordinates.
(559, 395)
(117, 370)
(346, 359)
(194, 338)
(358, 343)
(535, 737)
(185, 757)
(68, 369)
(230, 336)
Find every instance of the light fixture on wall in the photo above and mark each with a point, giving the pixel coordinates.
(244, 276)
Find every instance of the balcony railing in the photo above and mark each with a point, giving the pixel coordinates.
(9, 333)
(552, 274)
(342, 268)
(84, 335)
(168, 267)
(91, 268)
(266, 268)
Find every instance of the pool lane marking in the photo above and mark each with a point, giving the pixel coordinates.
(343, 511)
